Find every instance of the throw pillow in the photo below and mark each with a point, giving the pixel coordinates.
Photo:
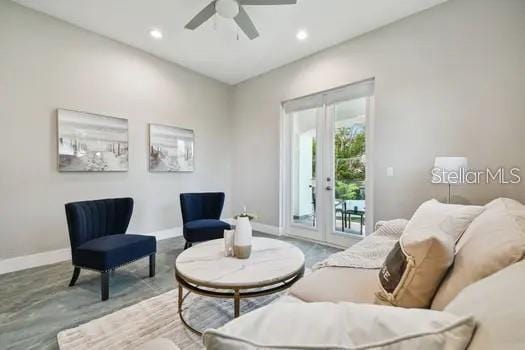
(416, 265)
(496, 302)
(341, 326)
(494, 240)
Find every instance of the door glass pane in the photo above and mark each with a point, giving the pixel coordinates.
(349, 166)
(304, 135)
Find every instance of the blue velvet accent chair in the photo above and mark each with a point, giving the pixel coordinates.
(97, 233)
(201, 213)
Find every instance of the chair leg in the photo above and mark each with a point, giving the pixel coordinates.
(74, 278)
(104, 285)
(187, 245)
(152, 265)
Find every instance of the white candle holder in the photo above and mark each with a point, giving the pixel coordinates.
(229, 237)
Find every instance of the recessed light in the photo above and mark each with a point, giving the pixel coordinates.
(156, 33)
(302, 35)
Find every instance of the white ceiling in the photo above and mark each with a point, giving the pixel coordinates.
(213, 49)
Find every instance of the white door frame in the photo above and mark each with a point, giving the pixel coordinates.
(323, 228)
(285, 183)
(331, 235)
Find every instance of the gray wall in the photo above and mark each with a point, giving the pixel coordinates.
(47, 64)
(449, 81)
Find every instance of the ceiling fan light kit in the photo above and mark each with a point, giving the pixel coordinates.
(233, 9)
(227, 8)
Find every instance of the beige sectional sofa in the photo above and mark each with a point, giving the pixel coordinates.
(484, 286)
(496, 302)
(486, 281)
(336, 284)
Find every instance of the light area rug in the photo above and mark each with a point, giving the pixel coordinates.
(157, 317)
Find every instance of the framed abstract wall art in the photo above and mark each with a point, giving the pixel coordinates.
(171, 149)
(91, 142)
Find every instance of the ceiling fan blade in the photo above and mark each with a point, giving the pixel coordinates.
(246, 24)
(267, 2)
(202, 16)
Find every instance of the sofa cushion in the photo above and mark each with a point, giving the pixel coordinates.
(496, 303)
(452, 219)
(494, 240)
(337, 284)
(111, 251)
(341, 326)
(204, 230)
(416, 265)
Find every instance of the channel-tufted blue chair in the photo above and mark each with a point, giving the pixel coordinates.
(97, 233)
(201, 213)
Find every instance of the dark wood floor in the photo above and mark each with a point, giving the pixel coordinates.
(37, 303)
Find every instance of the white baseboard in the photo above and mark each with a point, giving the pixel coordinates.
(54, 256)
(257, 226)
(269, 229)
(165, 234)
(34, 260)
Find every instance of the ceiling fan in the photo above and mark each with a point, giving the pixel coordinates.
(234, 9)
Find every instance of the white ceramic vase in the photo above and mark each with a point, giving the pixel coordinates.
(243, 238)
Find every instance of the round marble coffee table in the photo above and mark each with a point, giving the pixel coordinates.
(273, 266)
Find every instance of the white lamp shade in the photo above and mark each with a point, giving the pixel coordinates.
(451, 163)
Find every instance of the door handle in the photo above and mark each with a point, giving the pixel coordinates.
(329, 188)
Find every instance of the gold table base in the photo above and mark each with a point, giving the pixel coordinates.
(235, 293)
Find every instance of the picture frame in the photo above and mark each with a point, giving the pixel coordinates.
(171, 149)
(89, 142)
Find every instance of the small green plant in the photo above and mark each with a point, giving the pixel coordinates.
(245, 214)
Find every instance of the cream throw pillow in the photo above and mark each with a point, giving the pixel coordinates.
(342, 326)
(496, 302)
(416, 265)
(494, 240)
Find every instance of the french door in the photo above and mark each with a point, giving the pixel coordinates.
(326, 165)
